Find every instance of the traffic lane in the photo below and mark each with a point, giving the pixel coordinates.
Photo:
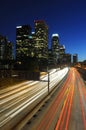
(71, 115)
(82, 100)
(13, 105)
(64, 116)
(78, 113)
(16, 115)
(26, 85)
(14, 112)
(77, 118)
(13, 89)
(29, 89)
(16, 105)
(47, 118)
(22, 84)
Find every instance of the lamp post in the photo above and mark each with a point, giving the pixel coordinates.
(48, 80)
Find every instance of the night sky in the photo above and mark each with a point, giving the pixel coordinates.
(65, 17)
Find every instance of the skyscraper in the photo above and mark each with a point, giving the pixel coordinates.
(66, 58)
(61, 52)
(55, 47)
(75, 58)
(6, 49)
(9, 51)
(23, 41)
(3, 42)
(41, 41)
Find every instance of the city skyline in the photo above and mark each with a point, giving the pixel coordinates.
(68, 19)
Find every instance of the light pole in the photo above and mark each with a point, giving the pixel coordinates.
(48, 80)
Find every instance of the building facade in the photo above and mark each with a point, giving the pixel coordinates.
(55, 47)
(23, 41)
(75, 58)
(67, 59)
(61, 53)
(41, 39)
(6, 49)
(3, 42)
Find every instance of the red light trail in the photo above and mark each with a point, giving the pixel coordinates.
(67, 111)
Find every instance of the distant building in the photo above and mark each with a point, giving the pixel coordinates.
(75, 58)
(6, 49)
(50, 57)
(67, 58)
(33, 42)
(6, 53)
(55, 47)
(3, 42)
(41, 39)
(61, 53)
(9, 51)
(23, 42)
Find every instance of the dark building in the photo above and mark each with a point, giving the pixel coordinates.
(23, 42)
(9, 51)
(55, 47)
(33, 41)
(67, 59)
(3, 42)
(6, 53)
(50, 57)
(23, 32)
(41, 39)
(61, 53)
(6, 49)
(75, 58)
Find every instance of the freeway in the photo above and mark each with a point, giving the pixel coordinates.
(66, 110)
(18, 100)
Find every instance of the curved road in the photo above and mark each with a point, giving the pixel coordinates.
(66, 110)
(16, 101)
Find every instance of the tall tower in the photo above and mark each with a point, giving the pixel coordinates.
(75, 58)
(6, 49)
(23, 41)
(41, 43)
(9, 51)
(3, 42)
(55, 47)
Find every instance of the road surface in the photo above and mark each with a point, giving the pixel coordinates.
(18, 100)
(66, 110)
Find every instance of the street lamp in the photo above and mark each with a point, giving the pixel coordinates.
(48, 80)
